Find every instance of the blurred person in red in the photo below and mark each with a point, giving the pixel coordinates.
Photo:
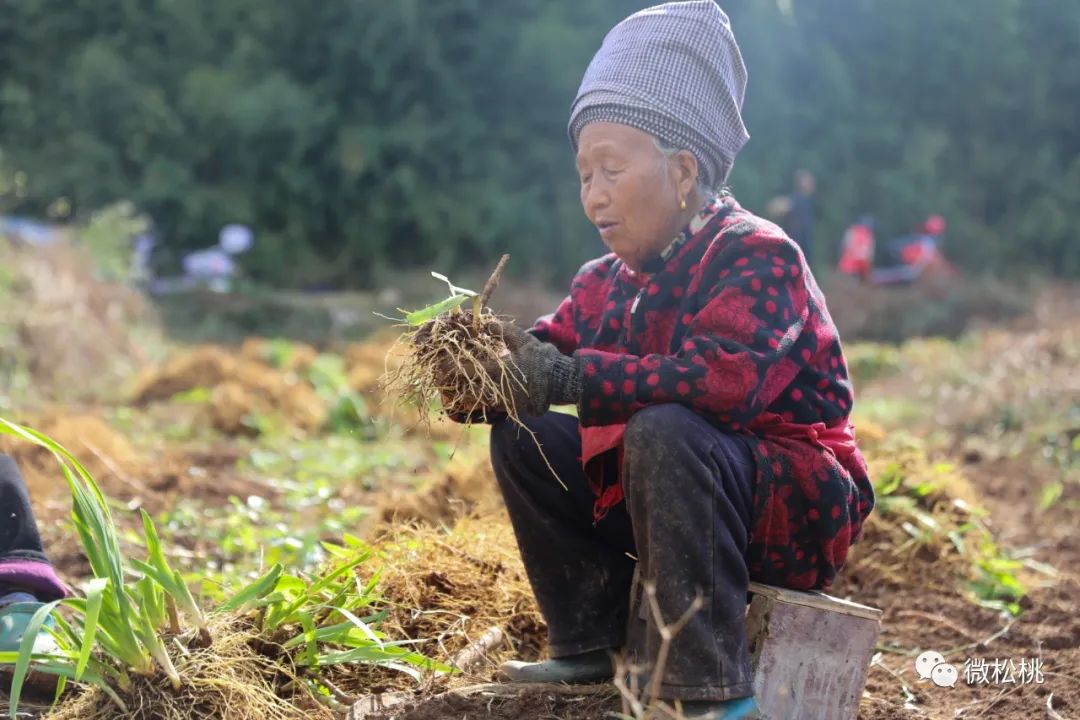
(857, 253)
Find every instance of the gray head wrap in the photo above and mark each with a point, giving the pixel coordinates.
(674, 71)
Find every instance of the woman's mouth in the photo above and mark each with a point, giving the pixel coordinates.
(606, 227)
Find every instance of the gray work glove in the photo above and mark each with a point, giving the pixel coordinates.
(542, 376)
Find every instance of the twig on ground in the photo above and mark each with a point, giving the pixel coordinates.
(983, 643)
(989, 702)
(339, 694)
(1051, 713)
(631, 704)
(473, 653)
(909, 697)
(513, 689)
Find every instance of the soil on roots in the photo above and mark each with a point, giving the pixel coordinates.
(449, 357)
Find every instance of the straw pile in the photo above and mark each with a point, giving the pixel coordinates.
(239, 387)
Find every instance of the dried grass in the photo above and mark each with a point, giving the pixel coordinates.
(105, 453)
(449, 587)
(230, 680)
(898, 549)
(467, 486)
(239, 387)
(77, 334)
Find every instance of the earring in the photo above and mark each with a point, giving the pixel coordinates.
(682, 204)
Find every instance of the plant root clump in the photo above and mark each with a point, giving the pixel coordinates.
(230, 679)
(446, 357)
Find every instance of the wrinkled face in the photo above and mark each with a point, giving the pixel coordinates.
(630, 191)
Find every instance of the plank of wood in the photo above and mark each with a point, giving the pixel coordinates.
(815, 599)
(810, 654)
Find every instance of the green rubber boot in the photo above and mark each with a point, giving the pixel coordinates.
(14, 619)
(589, 667)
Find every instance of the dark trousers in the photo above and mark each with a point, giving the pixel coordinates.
(19, 538)
(686, 521)
(23, 565)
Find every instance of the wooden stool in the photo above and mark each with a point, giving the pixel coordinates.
(810, 653)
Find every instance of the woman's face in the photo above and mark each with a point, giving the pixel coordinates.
(631, 191)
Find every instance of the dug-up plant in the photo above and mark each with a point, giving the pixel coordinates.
(143, 647)
(457, 357)
(444, 341)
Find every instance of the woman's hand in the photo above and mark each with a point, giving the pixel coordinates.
(535, 373)
(532, 374)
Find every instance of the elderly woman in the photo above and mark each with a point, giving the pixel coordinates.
(712, 443)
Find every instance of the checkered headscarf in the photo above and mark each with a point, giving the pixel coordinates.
(675, 71)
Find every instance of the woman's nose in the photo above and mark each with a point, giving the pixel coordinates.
(594, 197)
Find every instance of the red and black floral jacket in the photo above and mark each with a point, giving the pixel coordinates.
(729, 322)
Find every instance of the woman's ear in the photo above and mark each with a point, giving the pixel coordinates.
(686, 173)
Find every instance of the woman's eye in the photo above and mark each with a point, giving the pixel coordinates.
(586, 178)
(610, 173)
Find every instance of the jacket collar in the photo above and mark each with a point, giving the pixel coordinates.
(700, 225)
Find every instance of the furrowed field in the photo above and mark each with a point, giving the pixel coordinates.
(289, 542)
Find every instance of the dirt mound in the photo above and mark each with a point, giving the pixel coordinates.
(367, 361)
(240, 388)
(933, 307)
(285, 355)
(77, 335)
(466, 487)
(106, 454)
(1000, 403)
(448, 587)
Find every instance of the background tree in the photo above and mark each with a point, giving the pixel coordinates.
(360, 135)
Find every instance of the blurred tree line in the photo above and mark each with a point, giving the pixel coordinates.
(357, 136)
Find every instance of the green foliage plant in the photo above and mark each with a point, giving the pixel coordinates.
(137, 620)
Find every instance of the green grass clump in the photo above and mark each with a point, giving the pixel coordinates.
(137, 621)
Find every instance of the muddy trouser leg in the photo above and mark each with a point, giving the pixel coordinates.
(689, 489)
(23, 565)
(580, 572)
